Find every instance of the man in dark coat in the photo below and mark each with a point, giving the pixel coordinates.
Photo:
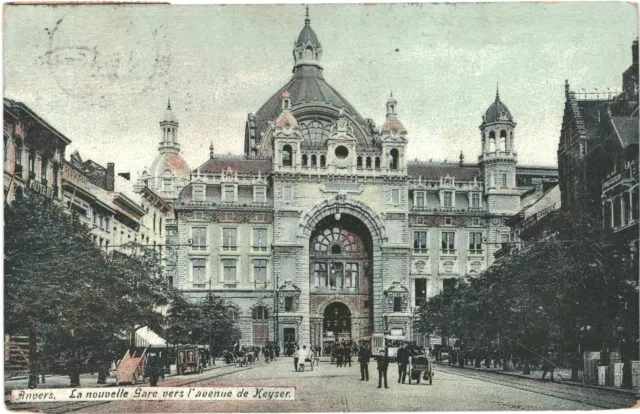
(346, 351)
(339, 356)
(404, 357)
(363, 358)
(383, 366)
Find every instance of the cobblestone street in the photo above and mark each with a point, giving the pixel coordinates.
(333, 389)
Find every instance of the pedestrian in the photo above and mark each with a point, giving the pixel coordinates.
(296, 358)
(404, 355)
(383, 366)
(277, 351)
(339, 356)
(347, 355)
(363, 358)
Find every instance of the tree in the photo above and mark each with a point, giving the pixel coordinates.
(58, 282)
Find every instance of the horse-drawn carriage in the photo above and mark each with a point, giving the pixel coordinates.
(241, 359)
(421, 367)
(189, 360)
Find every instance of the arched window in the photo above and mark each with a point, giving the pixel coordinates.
(359, 162)
(308, 53)
(393, 159)
(503, 140)
(44, 167)
(260, 313)
(232, 314)
(336, 249)
(368, 162)
(323, 161)
(492, 141)
(510, 143)
(305, 160)
(314, 160)
(286, 104)
(377, 163)
(286, 156)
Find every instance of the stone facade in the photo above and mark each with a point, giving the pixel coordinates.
(324, 222)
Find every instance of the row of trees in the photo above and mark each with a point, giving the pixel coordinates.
(578, 290)
(77, 299)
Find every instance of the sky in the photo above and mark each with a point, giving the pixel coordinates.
(102, 74)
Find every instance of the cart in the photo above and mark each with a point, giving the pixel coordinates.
(241, 359)
(188, 360)
(420, 366)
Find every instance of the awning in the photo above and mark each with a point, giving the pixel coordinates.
(146, 337)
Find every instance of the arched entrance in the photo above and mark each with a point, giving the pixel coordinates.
(337, 321)
(340, 280)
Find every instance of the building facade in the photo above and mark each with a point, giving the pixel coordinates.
(33, 153)
(598, 154)
(325, 230)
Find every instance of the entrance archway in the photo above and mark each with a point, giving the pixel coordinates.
(337, 321)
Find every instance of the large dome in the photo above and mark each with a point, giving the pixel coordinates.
(172, 162)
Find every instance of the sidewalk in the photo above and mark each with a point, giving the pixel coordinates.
(560, 376)
(86, 381)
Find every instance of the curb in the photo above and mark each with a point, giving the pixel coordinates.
(570, 383)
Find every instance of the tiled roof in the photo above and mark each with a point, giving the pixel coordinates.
(241, 165)
(433, 171)
(627, 129)
(393, 123)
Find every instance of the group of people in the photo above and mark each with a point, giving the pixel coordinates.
(304, 355)
(403, 359)
(342, 355)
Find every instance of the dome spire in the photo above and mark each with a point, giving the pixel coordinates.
(497, 91)
(211, 153)
(307, 20)
(169, 104)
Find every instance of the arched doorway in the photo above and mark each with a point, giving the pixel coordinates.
(340, 280)
(337, 321)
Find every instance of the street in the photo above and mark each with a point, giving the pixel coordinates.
(333, 389)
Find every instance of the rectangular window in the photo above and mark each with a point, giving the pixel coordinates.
(229, 272)
(351, 275)
(229, 239)
(448, 199)
(229, 193)
(320, 274)
(475, 200)
(504, 180)
(397, 304)
(336, 275)
(504, 239)
(198, 192)
(198, 269)
(101, 221)
(420, 290)
(497, 180)
(288, 304)
(475, 242)
(419, 241)
(449, 283)
(260, 240)
(395, 196)
(260, 194)
(95, 218)
(287, 193)
(260, 270)
(107, 222)
(199, 238)
(419, 199)
(448, 242)
(32, 163)
(44, 164)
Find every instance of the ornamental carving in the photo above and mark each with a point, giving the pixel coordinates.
(394, 216)
(227, 216)
(420, 265)
(475, 267)
(436, 221)
(448, 266)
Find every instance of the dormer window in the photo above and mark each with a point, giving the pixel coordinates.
(229, 193)
(198, 192)
(286, 156)
(259, 194)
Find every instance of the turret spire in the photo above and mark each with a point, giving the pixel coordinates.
(169, 104)
(211, 150)
(307, 20)
(497, 92)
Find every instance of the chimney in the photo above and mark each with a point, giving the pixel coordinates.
(634, 52)
(110, 177)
